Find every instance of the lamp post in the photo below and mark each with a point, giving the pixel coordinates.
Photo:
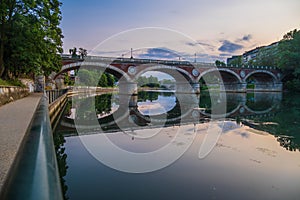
(131, 57)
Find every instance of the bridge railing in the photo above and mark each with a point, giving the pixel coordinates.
(34, 174)
(54, 94)
(248, 67)
(169, 62)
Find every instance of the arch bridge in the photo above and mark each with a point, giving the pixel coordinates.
(186, 74)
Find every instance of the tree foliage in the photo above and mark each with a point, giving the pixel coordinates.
(150, 81)
(267, 57)
(289, 52)
(237, 61)
(81, 53)
(289, 58)
(30, 37)
(219, 63)
(89, 77)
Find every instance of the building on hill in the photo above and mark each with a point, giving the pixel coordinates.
(255, 56)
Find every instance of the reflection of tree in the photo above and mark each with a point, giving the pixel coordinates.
(289, 143)
(145, 95)
(67, 111)
(61, 157)
(285, 124)
(86, 109)
(206, 101)
(167, 94)
(258, 104)
(103, 104)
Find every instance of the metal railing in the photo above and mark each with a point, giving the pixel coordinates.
(54, 94)
(34, 174)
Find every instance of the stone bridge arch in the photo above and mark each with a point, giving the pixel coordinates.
(229, 80)
(185, 81)
(221, 70)
(275, 78)
(100, 65)
(168, 70)
(263, 80)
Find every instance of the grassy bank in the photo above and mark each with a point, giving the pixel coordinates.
(14, 82)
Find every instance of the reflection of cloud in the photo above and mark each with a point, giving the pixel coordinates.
(159, 106)
(149, 108)
(244, 135)
(230, 47)
(229, 126)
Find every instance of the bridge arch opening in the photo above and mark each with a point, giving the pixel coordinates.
(217, 78)
(182, 79)
(95, 67)
(261, 80)
(156, 79)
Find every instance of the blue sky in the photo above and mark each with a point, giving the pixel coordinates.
(222, 28)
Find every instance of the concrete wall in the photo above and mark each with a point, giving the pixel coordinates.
(11, 93)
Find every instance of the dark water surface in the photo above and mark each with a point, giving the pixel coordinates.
(256, 157)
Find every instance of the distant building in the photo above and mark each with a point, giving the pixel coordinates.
(265, 51)
(252, 55)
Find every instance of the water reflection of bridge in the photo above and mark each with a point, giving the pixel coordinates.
(194, 109)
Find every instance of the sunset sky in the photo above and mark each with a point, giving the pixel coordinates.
(222, 28)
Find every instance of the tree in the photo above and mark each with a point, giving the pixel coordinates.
(82, 52)
(30, 37)
(103, 81)
(267, 56)
(219, 63)
(237, 61)
(73, 52)
(289, 52)
(110, 80)
(289, 58)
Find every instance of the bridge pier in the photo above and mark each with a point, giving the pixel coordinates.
(187, 88)
(263, 87)
(128, 88)
(127, 100)
(188, 101)
(196, 87)
(234, 87)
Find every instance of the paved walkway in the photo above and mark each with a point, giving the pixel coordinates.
(15, 118)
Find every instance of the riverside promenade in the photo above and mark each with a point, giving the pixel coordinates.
(15, 119)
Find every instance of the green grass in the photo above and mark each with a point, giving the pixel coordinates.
(2, 82)
(14, 82)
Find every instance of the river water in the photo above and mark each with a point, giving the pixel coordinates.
(161, 145)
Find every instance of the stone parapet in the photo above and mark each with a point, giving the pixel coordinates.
(12, 93)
